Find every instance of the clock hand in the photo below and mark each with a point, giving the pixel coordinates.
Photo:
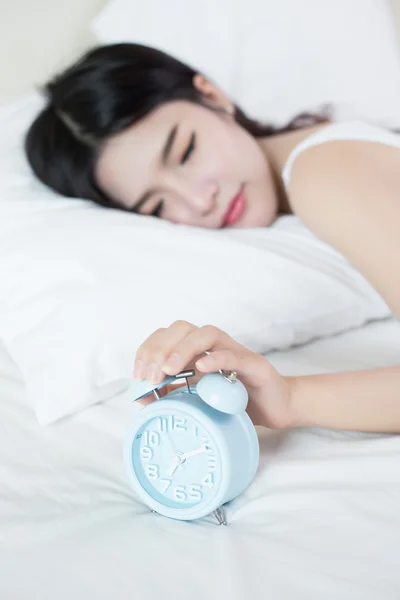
(193, 453)
(172, 444)
(174, 465)
(176, 462)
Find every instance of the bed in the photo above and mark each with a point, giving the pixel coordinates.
(320, 520)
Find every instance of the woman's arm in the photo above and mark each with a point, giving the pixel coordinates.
(348, 194)
(361, 400)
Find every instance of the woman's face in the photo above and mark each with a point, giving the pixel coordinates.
(190, 165)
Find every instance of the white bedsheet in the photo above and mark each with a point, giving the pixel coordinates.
(320, 521)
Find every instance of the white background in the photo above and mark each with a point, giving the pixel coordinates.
(38, 37)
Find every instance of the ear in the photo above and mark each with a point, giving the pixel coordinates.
(212, 93)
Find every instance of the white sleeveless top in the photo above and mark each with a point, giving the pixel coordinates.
(353, 130)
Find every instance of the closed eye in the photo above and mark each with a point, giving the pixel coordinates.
(189, 149)
(157, 210)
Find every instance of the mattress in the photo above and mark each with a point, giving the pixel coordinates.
(320, 520)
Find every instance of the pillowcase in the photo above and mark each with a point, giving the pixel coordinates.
(83, 286)
(275, 58)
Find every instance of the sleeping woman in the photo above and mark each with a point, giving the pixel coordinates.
(132, 128)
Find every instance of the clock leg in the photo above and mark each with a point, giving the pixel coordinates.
(219, 515)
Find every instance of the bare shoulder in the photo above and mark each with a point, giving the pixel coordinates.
(348, 194)
(342, 166)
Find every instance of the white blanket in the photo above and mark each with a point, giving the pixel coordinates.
(321, 519)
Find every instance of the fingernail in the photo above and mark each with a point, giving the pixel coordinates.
(138, 371)
(206, 363)
(154, 373)
(172, 365)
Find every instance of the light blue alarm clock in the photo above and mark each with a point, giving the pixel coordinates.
(193, 450)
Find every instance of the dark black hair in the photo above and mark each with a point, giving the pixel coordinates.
(109, 89)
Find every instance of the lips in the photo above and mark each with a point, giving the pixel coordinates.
(235, 209)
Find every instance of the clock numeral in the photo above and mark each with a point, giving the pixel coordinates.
(146, 453)
(151, 438)
(206, 443)
(209, 480)
(153, 471)
(194, 492)
(195, 430)
(179, 423)
(180, 493)
(171, 423)
(211, 464)
(163, 423)
(167, 484)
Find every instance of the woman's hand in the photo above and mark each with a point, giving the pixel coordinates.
(168, 351)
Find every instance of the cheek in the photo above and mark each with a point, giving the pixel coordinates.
(246, 157)
(232, 158)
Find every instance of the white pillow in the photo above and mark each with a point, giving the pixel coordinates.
(83, 286)
(275, 58)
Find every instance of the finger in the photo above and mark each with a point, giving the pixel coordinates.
(249, 366)
(193, 345)
(152, 354)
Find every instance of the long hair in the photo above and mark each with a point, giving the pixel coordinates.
(106, 91)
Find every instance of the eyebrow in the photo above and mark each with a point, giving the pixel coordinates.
(166, 151)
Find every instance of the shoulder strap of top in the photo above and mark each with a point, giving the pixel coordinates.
(355, 130)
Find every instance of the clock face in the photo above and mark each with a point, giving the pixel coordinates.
(176, 461)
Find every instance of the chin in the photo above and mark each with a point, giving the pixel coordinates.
(248, 221)
(262, 212)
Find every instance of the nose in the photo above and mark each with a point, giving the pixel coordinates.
(200, 197)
